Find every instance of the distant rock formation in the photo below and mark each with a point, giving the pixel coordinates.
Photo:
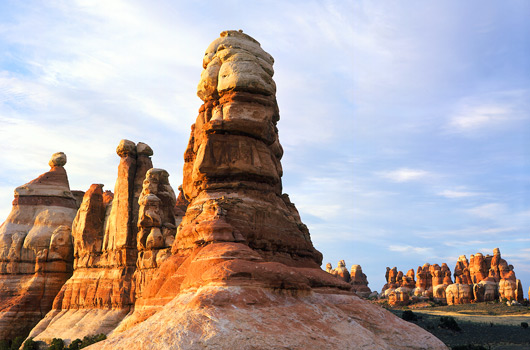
(357, 279)
(483, 278)
(359, 282)
(36, 252)
(341, 272)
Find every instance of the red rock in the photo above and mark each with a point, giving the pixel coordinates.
(104, 234)
(243, 272)
(399, 297)
(519, 296)
(459, 294)
(241, 248)
(35, 249)
(342, 272)
(478, 268)
(359, 282)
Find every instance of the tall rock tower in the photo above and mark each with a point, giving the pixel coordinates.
(243, 273)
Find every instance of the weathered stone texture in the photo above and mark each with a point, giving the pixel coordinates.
(102, 287)
(241, 248)
(36, 252)
(241, 267)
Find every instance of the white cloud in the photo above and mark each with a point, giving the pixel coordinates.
(457, 194)
(491, 111)
(475, 117)
(404, 174)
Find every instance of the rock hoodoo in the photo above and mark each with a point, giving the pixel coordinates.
(482, 278)
(357, 279)
(243, 272)
(101, 291)
(36, 252)
(226, 264)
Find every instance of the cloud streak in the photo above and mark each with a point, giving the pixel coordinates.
(405, 174)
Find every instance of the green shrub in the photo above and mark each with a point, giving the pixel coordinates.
(408, 315)
(57, 344)
(524, 325)
(448, 322)
(75, 345)
(30, 345)
(17, 342)
(92, 339)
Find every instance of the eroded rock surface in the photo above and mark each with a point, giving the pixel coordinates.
(101, 290)
(356, 278)
(243, 267)
(36, 252)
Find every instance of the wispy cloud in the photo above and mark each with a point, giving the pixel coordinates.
(404, 174)
(457, 194)
(489, 210)
(411, 249)
(472, 234)
(475, 117)
(489, 111)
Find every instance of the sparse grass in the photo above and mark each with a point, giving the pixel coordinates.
(475, 332)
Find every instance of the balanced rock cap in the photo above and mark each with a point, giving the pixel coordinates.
(144, 149)
(57, 159)
(126, 147)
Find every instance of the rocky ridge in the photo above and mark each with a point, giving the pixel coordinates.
(482, 278)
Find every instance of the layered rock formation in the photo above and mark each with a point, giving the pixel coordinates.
(357, 279)
(243, 272)
(482, 278)
(359, 282)
(35, 249)
(342, 272)
(101, 291)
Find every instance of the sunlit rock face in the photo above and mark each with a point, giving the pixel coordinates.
(341, 271)
(156, 226)
(35, 249)
(101, 290)
(243, 272)
(459, 293)
(481, 279)
(359, 281)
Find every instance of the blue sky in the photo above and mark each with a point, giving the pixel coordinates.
(405, 124)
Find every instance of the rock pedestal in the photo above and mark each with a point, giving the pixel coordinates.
(35, 249)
